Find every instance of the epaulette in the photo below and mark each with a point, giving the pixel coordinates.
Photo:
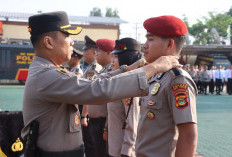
(176, 71)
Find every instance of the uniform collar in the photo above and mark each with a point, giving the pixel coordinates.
(43, 61)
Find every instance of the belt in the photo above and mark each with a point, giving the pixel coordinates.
(97, 119)
(78, 152)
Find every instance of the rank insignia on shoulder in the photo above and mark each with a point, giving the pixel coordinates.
(17, 146)
(150, 115)
(62, 71)
(155, 89)
(181, 98)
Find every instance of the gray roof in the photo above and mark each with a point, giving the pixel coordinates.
(23, 17)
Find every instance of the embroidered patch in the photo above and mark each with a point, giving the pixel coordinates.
(181, 98)
(155, 89)
(77, 119)
(180, 86)
(150, 115)
(62, 71)
(127, 101)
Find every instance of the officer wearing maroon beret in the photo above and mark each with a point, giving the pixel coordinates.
(168, 124)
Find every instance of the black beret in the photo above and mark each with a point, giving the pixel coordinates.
(126, 44)
(89, 43)
(52, 21)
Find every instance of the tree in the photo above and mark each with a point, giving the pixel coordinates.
(111, 13)
(95, 12)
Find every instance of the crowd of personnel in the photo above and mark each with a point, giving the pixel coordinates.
(117, 86)
(216, 80)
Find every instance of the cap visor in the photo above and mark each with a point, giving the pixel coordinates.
(116, 51)
(72, 31)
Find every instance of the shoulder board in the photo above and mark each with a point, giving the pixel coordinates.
(176, 71)
(61, 70)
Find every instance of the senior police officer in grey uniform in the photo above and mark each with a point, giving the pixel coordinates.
(123, 115)
(98, 113)
(50, 90)
(170, 108)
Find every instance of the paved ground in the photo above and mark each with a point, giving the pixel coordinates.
(214, 120)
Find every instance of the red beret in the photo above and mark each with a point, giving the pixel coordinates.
(105, 44)
(165, 26)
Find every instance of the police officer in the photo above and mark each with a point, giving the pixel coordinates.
(74, 62)
(228, 79)
(170, 107)
(98, 113)
(212, 79)
(219, 76)
(51, 90)
(205, 78)
(123, 115)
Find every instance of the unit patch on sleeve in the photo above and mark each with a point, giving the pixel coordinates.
(177, 86)
(181, 98)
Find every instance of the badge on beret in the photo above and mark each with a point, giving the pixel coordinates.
(150, 115)
(181, 98)
(77, 119)
(150, 102)
(62, 71)
(127, 101)
(90, 74)
(155, 89)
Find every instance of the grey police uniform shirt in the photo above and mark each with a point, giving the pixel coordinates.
(50, 91)
(205, 76)
(171, 101)
(122, 141)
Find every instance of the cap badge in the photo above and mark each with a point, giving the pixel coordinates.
(155, 89)
(150, 115)
(29, 29)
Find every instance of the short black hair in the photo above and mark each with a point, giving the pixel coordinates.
(35, 38)
(179, 42)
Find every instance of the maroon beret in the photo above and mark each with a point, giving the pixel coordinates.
(105, 44)
(165, 26)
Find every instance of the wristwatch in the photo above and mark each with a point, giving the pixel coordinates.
(123, 68)
(83, 117)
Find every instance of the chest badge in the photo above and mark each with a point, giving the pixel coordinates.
(90, 74)
(155, 89)
(77, 119)
(150, 102)
(150, 115)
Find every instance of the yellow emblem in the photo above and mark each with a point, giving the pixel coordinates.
(150, 115)
(61, 70)
(17, 146)
(77, 119)
(2, 154)
(155, 89)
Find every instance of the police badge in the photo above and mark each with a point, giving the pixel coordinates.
(155, 89)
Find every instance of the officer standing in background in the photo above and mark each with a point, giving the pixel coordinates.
(51, 90)
(219, 79)
(228, 79)
(167, 127)
(93, 69)
(205, 78)
(123, 115)
(97, 113)
(212, 79)
(74, 62)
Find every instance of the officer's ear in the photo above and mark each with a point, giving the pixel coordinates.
(48, 42)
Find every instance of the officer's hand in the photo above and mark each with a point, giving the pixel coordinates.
(105, 135)
(84, 122)
(162, 64)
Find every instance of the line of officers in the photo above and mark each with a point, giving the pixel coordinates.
(213, 79)
(102, 125)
